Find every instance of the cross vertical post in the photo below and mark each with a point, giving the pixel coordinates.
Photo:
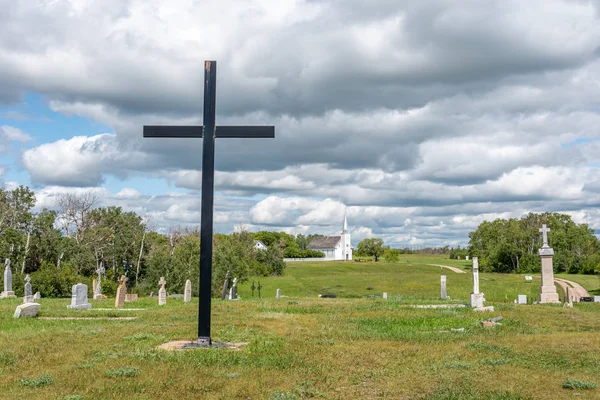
(206, 216)
(208, 132)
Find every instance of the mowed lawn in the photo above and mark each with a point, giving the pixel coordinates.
(302, 346)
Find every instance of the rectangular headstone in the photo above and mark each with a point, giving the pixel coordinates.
(121, 292)
(443, 287)
(522, 299)
(187, 293)
(596, 299)
(79, 297)
(162, 292)
(278, 295)
(385, 295)
(27, 310)
(131, 297)
(528, 278)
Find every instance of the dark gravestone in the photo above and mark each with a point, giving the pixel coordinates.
(328, 296)
(586, 299)
(208, 133)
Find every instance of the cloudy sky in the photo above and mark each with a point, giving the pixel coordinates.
(420, 118)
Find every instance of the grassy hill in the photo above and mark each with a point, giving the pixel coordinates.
(305, 347)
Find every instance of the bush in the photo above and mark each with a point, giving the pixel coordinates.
(392, 255)
(51, 281)
(577, 384)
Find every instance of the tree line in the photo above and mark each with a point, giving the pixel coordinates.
(59, 248)
(511, 245)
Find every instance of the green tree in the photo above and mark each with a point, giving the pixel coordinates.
(371, 247)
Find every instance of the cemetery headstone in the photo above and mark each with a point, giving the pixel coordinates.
(225, 286)
(278, 295)
(121, 292)
(131, 297)
(8, 292)
(259, 287)
(528, 278)
(233, 291)
(94, 287)
(162, 292)
(522, 299)
(385, 295)
(443, 287)
(98, 287)
(548, 293)
(37, 296)
(586, 299)
(187, 294)
(27, 310)
(252, 287)
(79, 297)
(28, 298)
(467, 258)
(477, 299)
(596, 299)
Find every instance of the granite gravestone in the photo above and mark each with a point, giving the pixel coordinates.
(27, 310)
(477, 299)
(233, 291)
(548, 293)
(121, 292)
(278, 294)
(79, 297)
(8, 292)
(522, 299)
(443, 287)
(28, 298)
(162, 292)
(187, 293)
(98, 288)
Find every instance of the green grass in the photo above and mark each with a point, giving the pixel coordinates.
(578, 384)
(304, 347)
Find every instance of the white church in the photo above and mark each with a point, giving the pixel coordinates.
(334, 247)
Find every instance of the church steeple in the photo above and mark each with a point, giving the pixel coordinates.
(345, 230)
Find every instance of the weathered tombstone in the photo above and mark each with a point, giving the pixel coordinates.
(233, 291)
(253, 288)
(8, 292)
(37, 296)
(28, 298)
(121, 292)
(458, 257)
(548, 293)
(443, 287)
(568, 298)
(187, 294)
(528, 278)
(79, 297)
(162, 292)
(596, 299)
(477, 299)
(467, 258)
(278, 295)
(522, 299)
(131, 297)
(586, 299)
(385, 295)
(27, 310)
(94, 287)
(259, 287)
(225, 285)
(98, 286)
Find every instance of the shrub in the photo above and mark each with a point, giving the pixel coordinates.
(577, 384)
(51, 281)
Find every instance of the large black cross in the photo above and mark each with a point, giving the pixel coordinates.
(208, 132)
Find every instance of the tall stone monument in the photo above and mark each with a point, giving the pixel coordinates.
(79, 297)
(187, 293)
(162, 292)
(121, 292)
(28, 298)
(443, 287)
(548, 292)
(477, 299)
(8, 292)
(233, 291)
(98, 285)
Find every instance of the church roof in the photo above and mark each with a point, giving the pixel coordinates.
(324, 242)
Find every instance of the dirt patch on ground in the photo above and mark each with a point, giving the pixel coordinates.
(179, 345)
(577, 291)
(457, 270)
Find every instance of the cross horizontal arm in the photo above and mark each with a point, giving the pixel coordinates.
(165, 131)
(245, 132)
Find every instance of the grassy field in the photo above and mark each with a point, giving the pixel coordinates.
(302, 346)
